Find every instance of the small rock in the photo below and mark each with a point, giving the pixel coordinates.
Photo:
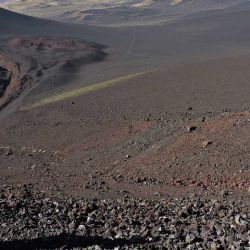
(119, 235)
(81, 228)
(224, 192)
(191, 128)
(206, 143)
(72, 226)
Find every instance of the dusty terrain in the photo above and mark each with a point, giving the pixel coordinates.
(142, 158)
(136, 115)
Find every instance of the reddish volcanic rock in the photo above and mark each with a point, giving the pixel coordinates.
(17, 80)
(31, 60)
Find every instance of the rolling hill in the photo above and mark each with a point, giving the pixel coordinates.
(117, 12)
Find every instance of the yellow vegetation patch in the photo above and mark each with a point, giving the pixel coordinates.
(82, 91)
(143, 3)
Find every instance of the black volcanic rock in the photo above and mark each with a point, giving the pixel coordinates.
(5, 78)
(31, 220)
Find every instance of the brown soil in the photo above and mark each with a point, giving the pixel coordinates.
(207, 157)
(142, 158)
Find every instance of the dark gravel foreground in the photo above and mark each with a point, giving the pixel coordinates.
(30, 220)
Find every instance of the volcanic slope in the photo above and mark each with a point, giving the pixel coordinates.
(135, 50)
(149, 93)
(26, 61)
(164, 116)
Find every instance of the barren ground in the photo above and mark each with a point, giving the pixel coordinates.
(148, 117)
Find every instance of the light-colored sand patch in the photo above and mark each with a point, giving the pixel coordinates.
(143, 3)
(175, 2)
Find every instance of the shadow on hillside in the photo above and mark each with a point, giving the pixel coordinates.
(65, 241)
